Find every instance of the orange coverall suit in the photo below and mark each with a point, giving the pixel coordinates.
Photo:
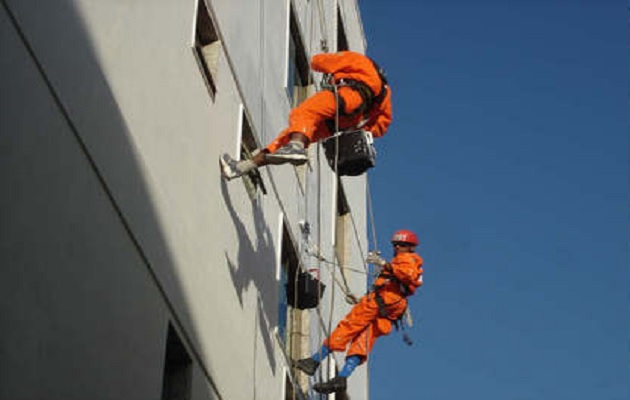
(311, 115)
(363, 325)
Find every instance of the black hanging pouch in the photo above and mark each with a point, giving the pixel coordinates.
(309, 291)
(353, 150)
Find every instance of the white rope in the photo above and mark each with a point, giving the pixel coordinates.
(334, 271)
(343, 286)
(337, 185)
(371, 213)
(328, 262)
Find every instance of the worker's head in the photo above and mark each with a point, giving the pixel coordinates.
(404, 241)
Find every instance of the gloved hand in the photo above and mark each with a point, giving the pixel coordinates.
(374, 257)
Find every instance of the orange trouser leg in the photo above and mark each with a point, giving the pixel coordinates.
(308, 118)
(353, 325)
(362, 344)
(362, 326)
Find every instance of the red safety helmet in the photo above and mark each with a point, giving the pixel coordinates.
(406, 236)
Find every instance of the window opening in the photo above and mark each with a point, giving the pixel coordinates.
(342, 39)
(177, 379)
(298, 68)
(302, 170)
(293, 322)
(207, 46)
(289, 267)
(342, 220)
(253, 181)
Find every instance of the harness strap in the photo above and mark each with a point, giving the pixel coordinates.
(384, 84)
(404, 289)
(368, 97)
(382, 309)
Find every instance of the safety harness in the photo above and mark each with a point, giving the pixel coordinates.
(351, 152)
(368, 97)
(382, 307)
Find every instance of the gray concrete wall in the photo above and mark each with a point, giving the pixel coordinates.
(115, 221)
(81, 315)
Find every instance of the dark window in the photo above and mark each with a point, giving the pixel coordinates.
(289, 267)
(342, 40)
(253, 181)
(298, 69)
(298, 291)
(341, 228)
(177, 369)
(207, 46)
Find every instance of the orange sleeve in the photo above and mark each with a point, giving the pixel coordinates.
(352, 65)
(380, 118)
(331, 62)
(407, 268)
(348, 65)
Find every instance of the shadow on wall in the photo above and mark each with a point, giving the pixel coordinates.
(84, 258)
(250, 269)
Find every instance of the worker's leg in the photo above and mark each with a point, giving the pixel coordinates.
(357, 354)
(362, 345)
(306, 124)
(230, 168)
(310, 365)
(291, 153)
(357, 320)
(348, 367)
(340, 382)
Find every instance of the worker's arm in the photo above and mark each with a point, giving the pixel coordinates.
(329, 62)
(406, 268)
(380, 118)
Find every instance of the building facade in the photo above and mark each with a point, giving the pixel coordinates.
(130, 269)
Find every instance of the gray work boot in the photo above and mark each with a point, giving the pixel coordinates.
(336, 384)
(306, 365)
(293, 153)
(230, 167)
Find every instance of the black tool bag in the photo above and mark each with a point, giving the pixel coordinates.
(309, 291)
(354, 151)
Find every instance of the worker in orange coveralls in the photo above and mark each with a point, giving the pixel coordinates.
(373, 315)
(364, 102)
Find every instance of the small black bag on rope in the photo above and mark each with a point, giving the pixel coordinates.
(309, 291)
(355, 154)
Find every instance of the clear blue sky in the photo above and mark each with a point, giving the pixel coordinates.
(509, 156)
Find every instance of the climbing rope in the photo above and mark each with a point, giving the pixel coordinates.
(350, 298)
(342, 282)
(334, 271)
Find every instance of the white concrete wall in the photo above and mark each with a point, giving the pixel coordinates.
(115, 220)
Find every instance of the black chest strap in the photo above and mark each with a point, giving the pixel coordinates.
(368, 97)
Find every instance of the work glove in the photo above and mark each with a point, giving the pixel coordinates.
(374, 257)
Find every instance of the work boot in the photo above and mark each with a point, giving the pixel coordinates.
(336, 384)
(230, 167)
(306, 365)
(293, 153)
